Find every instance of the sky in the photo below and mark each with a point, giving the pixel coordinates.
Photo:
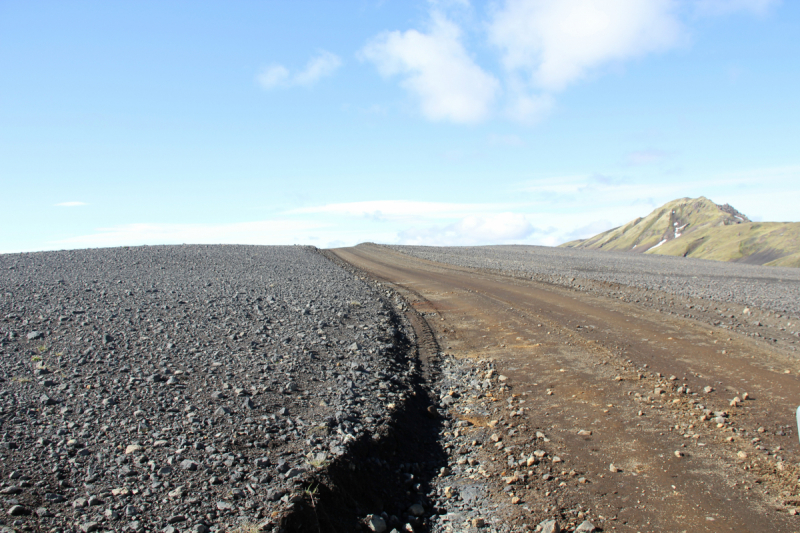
(402, 122)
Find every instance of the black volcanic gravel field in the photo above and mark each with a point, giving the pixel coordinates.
(775, 288)
(184, 388)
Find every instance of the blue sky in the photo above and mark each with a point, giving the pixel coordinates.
(430, 122)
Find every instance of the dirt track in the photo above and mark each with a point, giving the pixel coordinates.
(595, 364)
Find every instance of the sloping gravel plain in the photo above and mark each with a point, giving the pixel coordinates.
(184, 388)
(772, 288)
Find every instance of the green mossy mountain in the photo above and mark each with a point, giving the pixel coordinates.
(697, 227)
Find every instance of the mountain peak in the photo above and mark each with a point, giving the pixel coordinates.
(698, 227)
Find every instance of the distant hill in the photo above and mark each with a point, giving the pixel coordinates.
(697, 227)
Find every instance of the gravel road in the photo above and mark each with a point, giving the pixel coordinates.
(625, 411)
(183, 388)
(772, 288)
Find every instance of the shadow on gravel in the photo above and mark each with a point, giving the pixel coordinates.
(386, 472)
(392, 469)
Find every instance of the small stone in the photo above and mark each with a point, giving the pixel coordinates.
(175, 519)
(376, 523)
(742, 455)
(224, 506)
(292, 472)
(17, 510)
(88, 527)
(678, 453)
(416, 510)
(248, 404)
(43, 512)
(33, 335)
(132, 448)
(745, 397)
(515, 500)
(613, 468)
(44, 399)
(584, 433)
(222, 411)
(188, 464)
(549, 526)
(708, 388)
(200, 528)
(478, 522)
(585, 527)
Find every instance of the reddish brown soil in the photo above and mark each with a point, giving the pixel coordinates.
(593, 363)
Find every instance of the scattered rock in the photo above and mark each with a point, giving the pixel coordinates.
(17, 510)
(549, 526)
(376, 523)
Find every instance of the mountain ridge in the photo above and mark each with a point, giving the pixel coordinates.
(698, 227)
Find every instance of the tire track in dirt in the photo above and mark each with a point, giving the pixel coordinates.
(597, 364)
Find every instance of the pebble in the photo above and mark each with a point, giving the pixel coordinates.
(17, 510)
(549, 526)
(376, 523)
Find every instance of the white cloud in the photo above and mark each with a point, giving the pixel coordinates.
(401, 209)
(71, 204)
(323, 64)
(436, 68)
(529, 108)
(557, 42)
(259, 232)
(500, 228)
(274, 76)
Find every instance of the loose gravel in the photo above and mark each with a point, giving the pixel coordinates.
(772, 288)
(184, 388)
